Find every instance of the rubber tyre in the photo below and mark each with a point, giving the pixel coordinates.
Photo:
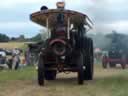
(89, 60)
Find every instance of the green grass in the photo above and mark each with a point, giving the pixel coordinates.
(21, 74)
(12, 45)
(107, 82)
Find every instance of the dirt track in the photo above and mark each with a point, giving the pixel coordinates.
(59, 87)
(66, 84)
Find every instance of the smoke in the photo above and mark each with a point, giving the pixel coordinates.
(109, 15)
(100, 15)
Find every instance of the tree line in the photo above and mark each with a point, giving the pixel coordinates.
(4, 38)
(21, 38)
(101, 40)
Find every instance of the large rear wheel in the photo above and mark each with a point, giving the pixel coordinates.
(89, 60)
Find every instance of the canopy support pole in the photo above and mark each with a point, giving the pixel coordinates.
(47, 25)
(68, 29)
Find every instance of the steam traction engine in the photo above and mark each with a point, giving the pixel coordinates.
(117, 54)
(67, 47)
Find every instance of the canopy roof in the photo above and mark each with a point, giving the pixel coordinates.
(41, 17)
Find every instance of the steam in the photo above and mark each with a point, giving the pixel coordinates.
(109, 15)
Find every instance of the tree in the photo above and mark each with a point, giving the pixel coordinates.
(4, 38)
(21, 38)
(40, 37)
(36, 38)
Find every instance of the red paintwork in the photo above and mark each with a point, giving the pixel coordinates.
(57, 40)
(106, 59)
(113, 60)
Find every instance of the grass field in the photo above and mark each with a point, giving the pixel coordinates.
(107, 82)
(11, 45)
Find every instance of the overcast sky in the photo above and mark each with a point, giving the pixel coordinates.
(107, 15)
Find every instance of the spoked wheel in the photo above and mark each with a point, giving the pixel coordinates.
(89, 60)
(40, 71)
(80, 69)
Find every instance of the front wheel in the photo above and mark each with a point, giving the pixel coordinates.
(40, 72)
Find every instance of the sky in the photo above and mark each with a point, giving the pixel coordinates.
(107, 15)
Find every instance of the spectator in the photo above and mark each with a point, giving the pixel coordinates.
(15, 61)
(3, 64)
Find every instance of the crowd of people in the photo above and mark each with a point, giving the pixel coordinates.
(11, 59)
